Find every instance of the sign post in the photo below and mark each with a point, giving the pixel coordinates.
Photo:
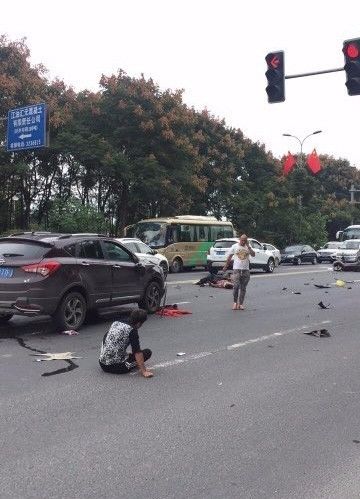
(27, 128)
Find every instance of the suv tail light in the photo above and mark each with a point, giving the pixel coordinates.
(44, 269)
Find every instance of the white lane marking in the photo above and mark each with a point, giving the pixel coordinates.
(266, 276)
(273, 335)
(175, 362)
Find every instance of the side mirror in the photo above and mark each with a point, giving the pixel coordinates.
(264, 247)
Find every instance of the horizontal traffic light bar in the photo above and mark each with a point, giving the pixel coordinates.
(300, 75)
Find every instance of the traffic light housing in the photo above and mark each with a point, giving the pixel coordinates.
(351, 51)
(275, 75)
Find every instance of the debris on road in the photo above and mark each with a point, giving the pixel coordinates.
(356, 441)
(56, 356)
(324, 307)
(340, 283)
(284, 289)
(322, 333)
(180, 354)
(232, 405)
(70, 332)
(296, 293)
(322, 286)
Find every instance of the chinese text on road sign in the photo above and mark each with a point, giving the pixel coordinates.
(27, 128)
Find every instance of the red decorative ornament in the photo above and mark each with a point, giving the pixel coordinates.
(313, 162)
(289, 163)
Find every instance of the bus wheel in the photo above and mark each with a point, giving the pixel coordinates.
(176, 266)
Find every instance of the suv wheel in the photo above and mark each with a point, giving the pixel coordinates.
(152, 298)
(270, 266)
(71, 312)
(5, 318)
(165, 269)
(297, 261)
(314, 260)
(177, 265)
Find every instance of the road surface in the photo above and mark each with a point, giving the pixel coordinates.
(255, 409)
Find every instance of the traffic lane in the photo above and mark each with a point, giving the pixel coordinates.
(25, 325)
(253, 422)
(211, 326)
(195, 275)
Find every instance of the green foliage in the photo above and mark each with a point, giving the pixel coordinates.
(133, 150)
(72, 216)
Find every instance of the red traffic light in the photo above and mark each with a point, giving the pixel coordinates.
(352, 50)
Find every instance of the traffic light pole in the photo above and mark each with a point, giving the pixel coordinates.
(325, 71)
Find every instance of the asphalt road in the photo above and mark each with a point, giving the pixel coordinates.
(255, 409)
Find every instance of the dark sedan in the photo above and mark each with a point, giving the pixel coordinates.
(301, 253)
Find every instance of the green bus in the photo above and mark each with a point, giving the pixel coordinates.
(183, 239)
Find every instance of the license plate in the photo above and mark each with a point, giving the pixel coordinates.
(6, 272)
(220, 252)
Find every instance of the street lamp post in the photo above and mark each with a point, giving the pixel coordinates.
(301, 142)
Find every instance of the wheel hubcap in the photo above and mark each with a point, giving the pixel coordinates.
(153, 297)
(73, 312)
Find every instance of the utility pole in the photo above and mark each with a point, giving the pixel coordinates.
(352, 191)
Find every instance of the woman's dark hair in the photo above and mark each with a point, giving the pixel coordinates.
(137, 316)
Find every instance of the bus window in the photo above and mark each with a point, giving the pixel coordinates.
(217, 232)
(187, 233)
(202, 233)
(172, 234)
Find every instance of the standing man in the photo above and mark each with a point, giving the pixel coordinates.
(241, 276)
(113, 356)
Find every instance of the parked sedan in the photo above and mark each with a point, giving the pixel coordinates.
(144, 252)
(298, 254)
(348, 252)
(325, 252)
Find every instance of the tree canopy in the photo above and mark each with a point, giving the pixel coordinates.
(132, 150)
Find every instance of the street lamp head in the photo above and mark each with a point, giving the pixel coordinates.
(317, 131)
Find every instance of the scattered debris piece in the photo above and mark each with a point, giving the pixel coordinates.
(316, 349)
(324, 307)
(349, 287)
(270, 346)
(177, 286)
(327, 292)
(306, 284)
(56, 356)
(322, 333)
(181, 354)
(296, 293)
(70, 332)
(232, 405)
(356, 441)
(220, 384)
(340, 283)
(284, 289)
(322, 286)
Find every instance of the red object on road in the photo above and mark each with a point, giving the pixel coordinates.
(289, 163)
(313, 162)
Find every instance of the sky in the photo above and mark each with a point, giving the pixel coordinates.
(215, 51)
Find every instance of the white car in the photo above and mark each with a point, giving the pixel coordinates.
(276, 252)
(325, 252)
(143, 251)
(348, 251)
(218, 253)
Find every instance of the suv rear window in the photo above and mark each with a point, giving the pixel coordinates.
(22, 250)
(224, 244)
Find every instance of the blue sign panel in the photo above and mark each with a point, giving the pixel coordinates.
(26, 128)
